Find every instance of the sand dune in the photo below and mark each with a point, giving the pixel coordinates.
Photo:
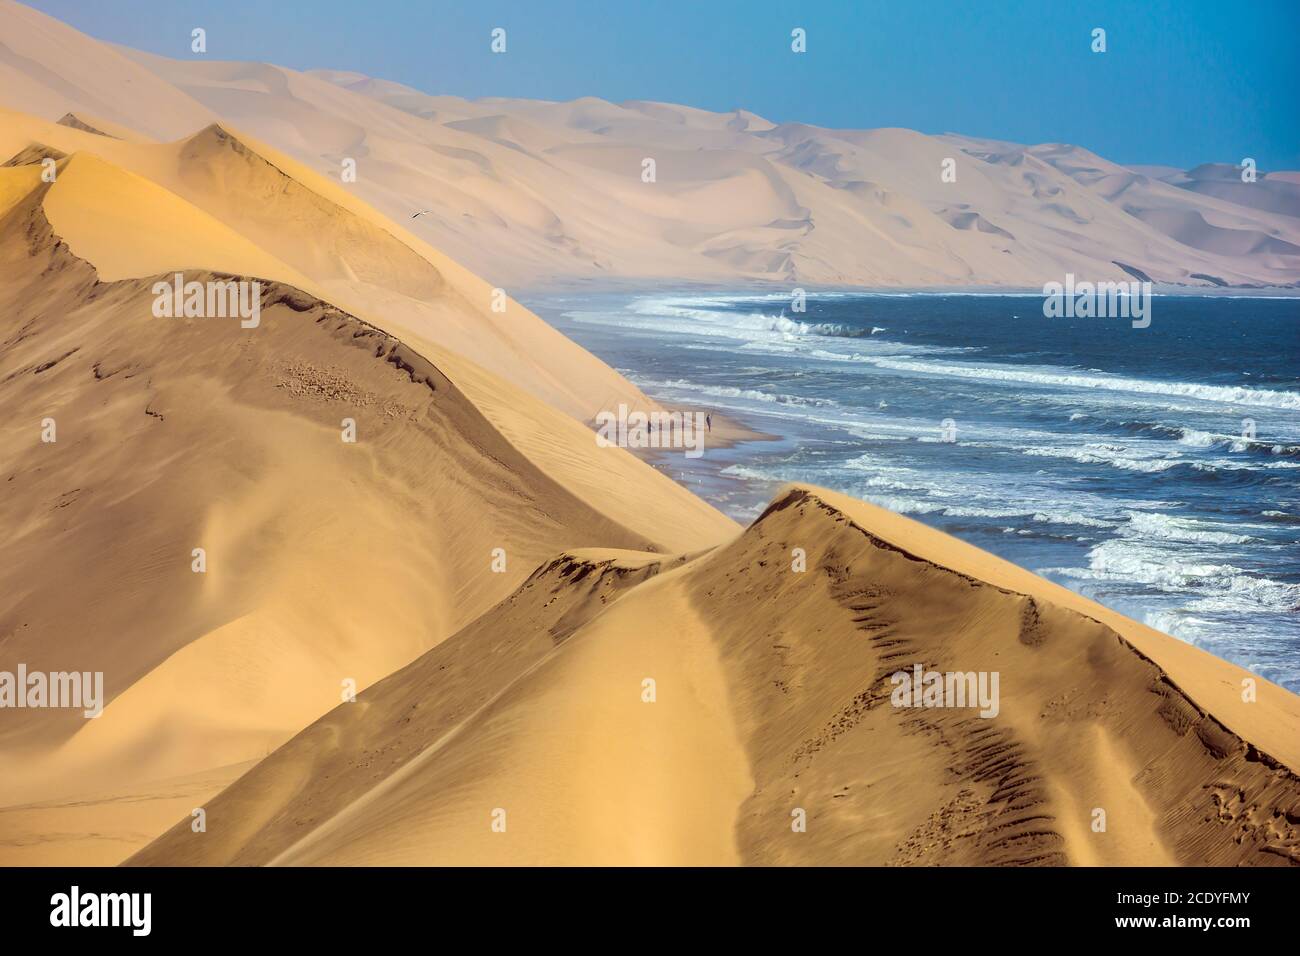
(560, 655)
(517, 188)
(328, 561)
(327, 242)
(1275, 192)
(1096, 713)
(529, 192)
(49, 69)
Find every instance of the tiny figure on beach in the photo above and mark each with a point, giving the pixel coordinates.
(708, 422)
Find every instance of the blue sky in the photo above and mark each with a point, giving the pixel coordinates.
(1181, 82)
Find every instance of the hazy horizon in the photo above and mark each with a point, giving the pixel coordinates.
(1025, 73)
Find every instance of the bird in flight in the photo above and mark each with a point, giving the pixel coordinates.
(422, 212)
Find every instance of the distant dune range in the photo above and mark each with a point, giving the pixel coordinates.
(530, 193)
(372, 561)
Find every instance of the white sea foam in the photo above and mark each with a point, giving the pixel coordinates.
(1170, 528)
(1233, 395)
(742, 321)
(1199, 439)
(1104, 453)
(1211, 586)
(912, 359)
(1072, 517)
(749, 473)
(729, 391)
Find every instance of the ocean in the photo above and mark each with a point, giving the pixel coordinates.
(1154, 470)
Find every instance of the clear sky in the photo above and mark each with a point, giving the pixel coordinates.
(1182, 81)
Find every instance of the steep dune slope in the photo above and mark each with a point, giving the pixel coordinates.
(128, 226)
(182, 210)
(1095, 714)
(49, 69)
(349, 254)
(507, 698)
(176, 433)
(327, 561)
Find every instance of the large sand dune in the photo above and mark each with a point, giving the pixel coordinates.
(534, 624)
(322, 239)
(773, 695)
(328, 561)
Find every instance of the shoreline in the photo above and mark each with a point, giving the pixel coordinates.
(656, 285)
(819, 435)
(730, 433)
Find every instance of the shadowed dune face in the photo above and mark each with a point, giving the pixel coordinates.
(1094, 755)
(216, 200)
(34, 155)
(326, 560)
(1085, 722)
(76, 122)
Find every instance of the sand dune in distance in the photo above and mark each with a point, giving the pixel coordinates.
(530, 193)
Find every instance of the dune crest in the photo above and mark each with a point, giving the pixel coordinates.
(1089, 719)
(289, 467)
(327, 561)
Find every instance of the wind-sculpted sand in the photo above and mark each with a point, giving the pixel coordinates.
(772, 698)
(327, 560)
(364, 588)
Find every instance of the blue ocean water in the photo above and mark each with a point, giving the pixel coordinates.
(1116, 461)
